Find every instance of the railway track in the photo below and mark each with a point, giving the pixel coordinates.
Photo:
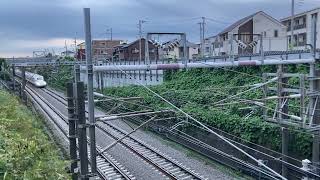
(166, 165)
(108, 167)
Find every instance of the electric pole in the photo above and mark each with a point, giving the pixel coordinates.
(201, 53)
(75, 46)
(292, 20)
(109, 30)
(66, 48)
(140, 37)
(202, 30)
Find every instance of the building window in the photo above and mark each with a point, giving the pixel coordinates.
(265, 34)
(275, 33)
(302, 39)
(135, 51)
(207, 49)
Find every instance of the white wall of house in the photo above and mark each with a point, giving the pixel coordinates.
(261, 24)
(174, 53)
(192, 51)
(267, 27)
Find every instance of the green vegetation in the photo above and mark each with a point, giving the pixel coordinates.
(57, 77)
(25, 149)
(197, 92)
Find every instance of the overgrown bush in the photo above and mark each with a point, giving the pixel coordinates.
(197, 91)
(25, 150)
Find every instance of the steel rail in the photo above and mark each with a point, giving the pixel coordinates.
(172, 175)
(104, 160)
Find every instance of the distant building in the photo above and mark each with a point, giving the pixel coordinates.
(302, 25)
(174, 50)
(68, 53)
(101, 49)
(209, 46)
(81, 51)
(242, 37)
(132, 51)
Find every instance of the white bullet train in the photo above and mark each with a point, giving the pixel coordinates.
(35, 79)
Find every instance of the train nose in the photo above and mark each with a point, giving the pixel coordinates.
(40, 83)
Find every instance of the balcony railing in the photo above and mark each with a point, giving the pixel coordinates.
(299, 26)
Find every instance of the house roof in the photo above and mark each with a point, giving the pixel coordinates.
(189, 44)
(246, 19)
(127, 45)
(238, 23)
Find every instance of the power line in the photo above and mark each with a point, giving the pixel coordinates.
(204, 126)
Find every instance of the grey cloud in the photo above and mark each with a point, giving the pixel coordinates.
(48, 19)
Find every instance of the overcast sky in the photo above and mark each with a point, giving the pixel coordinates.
(28, 25)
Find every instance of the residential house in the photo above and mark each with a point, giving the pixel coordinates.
(101, 49)
(174, 50)
(132, 51)
(302, 29)
(81, 52)
(244, 36)
(209, 46)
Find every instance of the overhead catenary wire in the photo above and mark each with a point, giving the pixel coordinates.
(201, 124)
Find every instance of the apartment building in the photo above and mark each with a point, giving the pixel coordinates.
(302, 29)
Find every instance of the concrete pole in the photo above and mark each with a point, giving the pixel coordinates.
(72, 131)
(76, 79)
(146, 51)
(261, 48)
(76, 73)
(201, 52)
(13, 80)
(292, 20)
(283, 107)
(82, 132)
(90, 90)
(185, 49)
(314, 88)
(302, 98)
(23, 86)
(203, 31)
(265, 95)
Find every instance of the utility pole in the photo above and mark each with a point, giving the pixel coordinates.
(66, 48)
(283, 107)
(75, 46)
(292, 20)
(202, 30)
(140, 37)
(314, 99)
(201, 52)
(110, 30)
(87, 29)
(72, 131)
(13, 80)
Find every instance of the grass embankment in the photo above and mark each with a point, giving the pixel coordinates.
(26, 151)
